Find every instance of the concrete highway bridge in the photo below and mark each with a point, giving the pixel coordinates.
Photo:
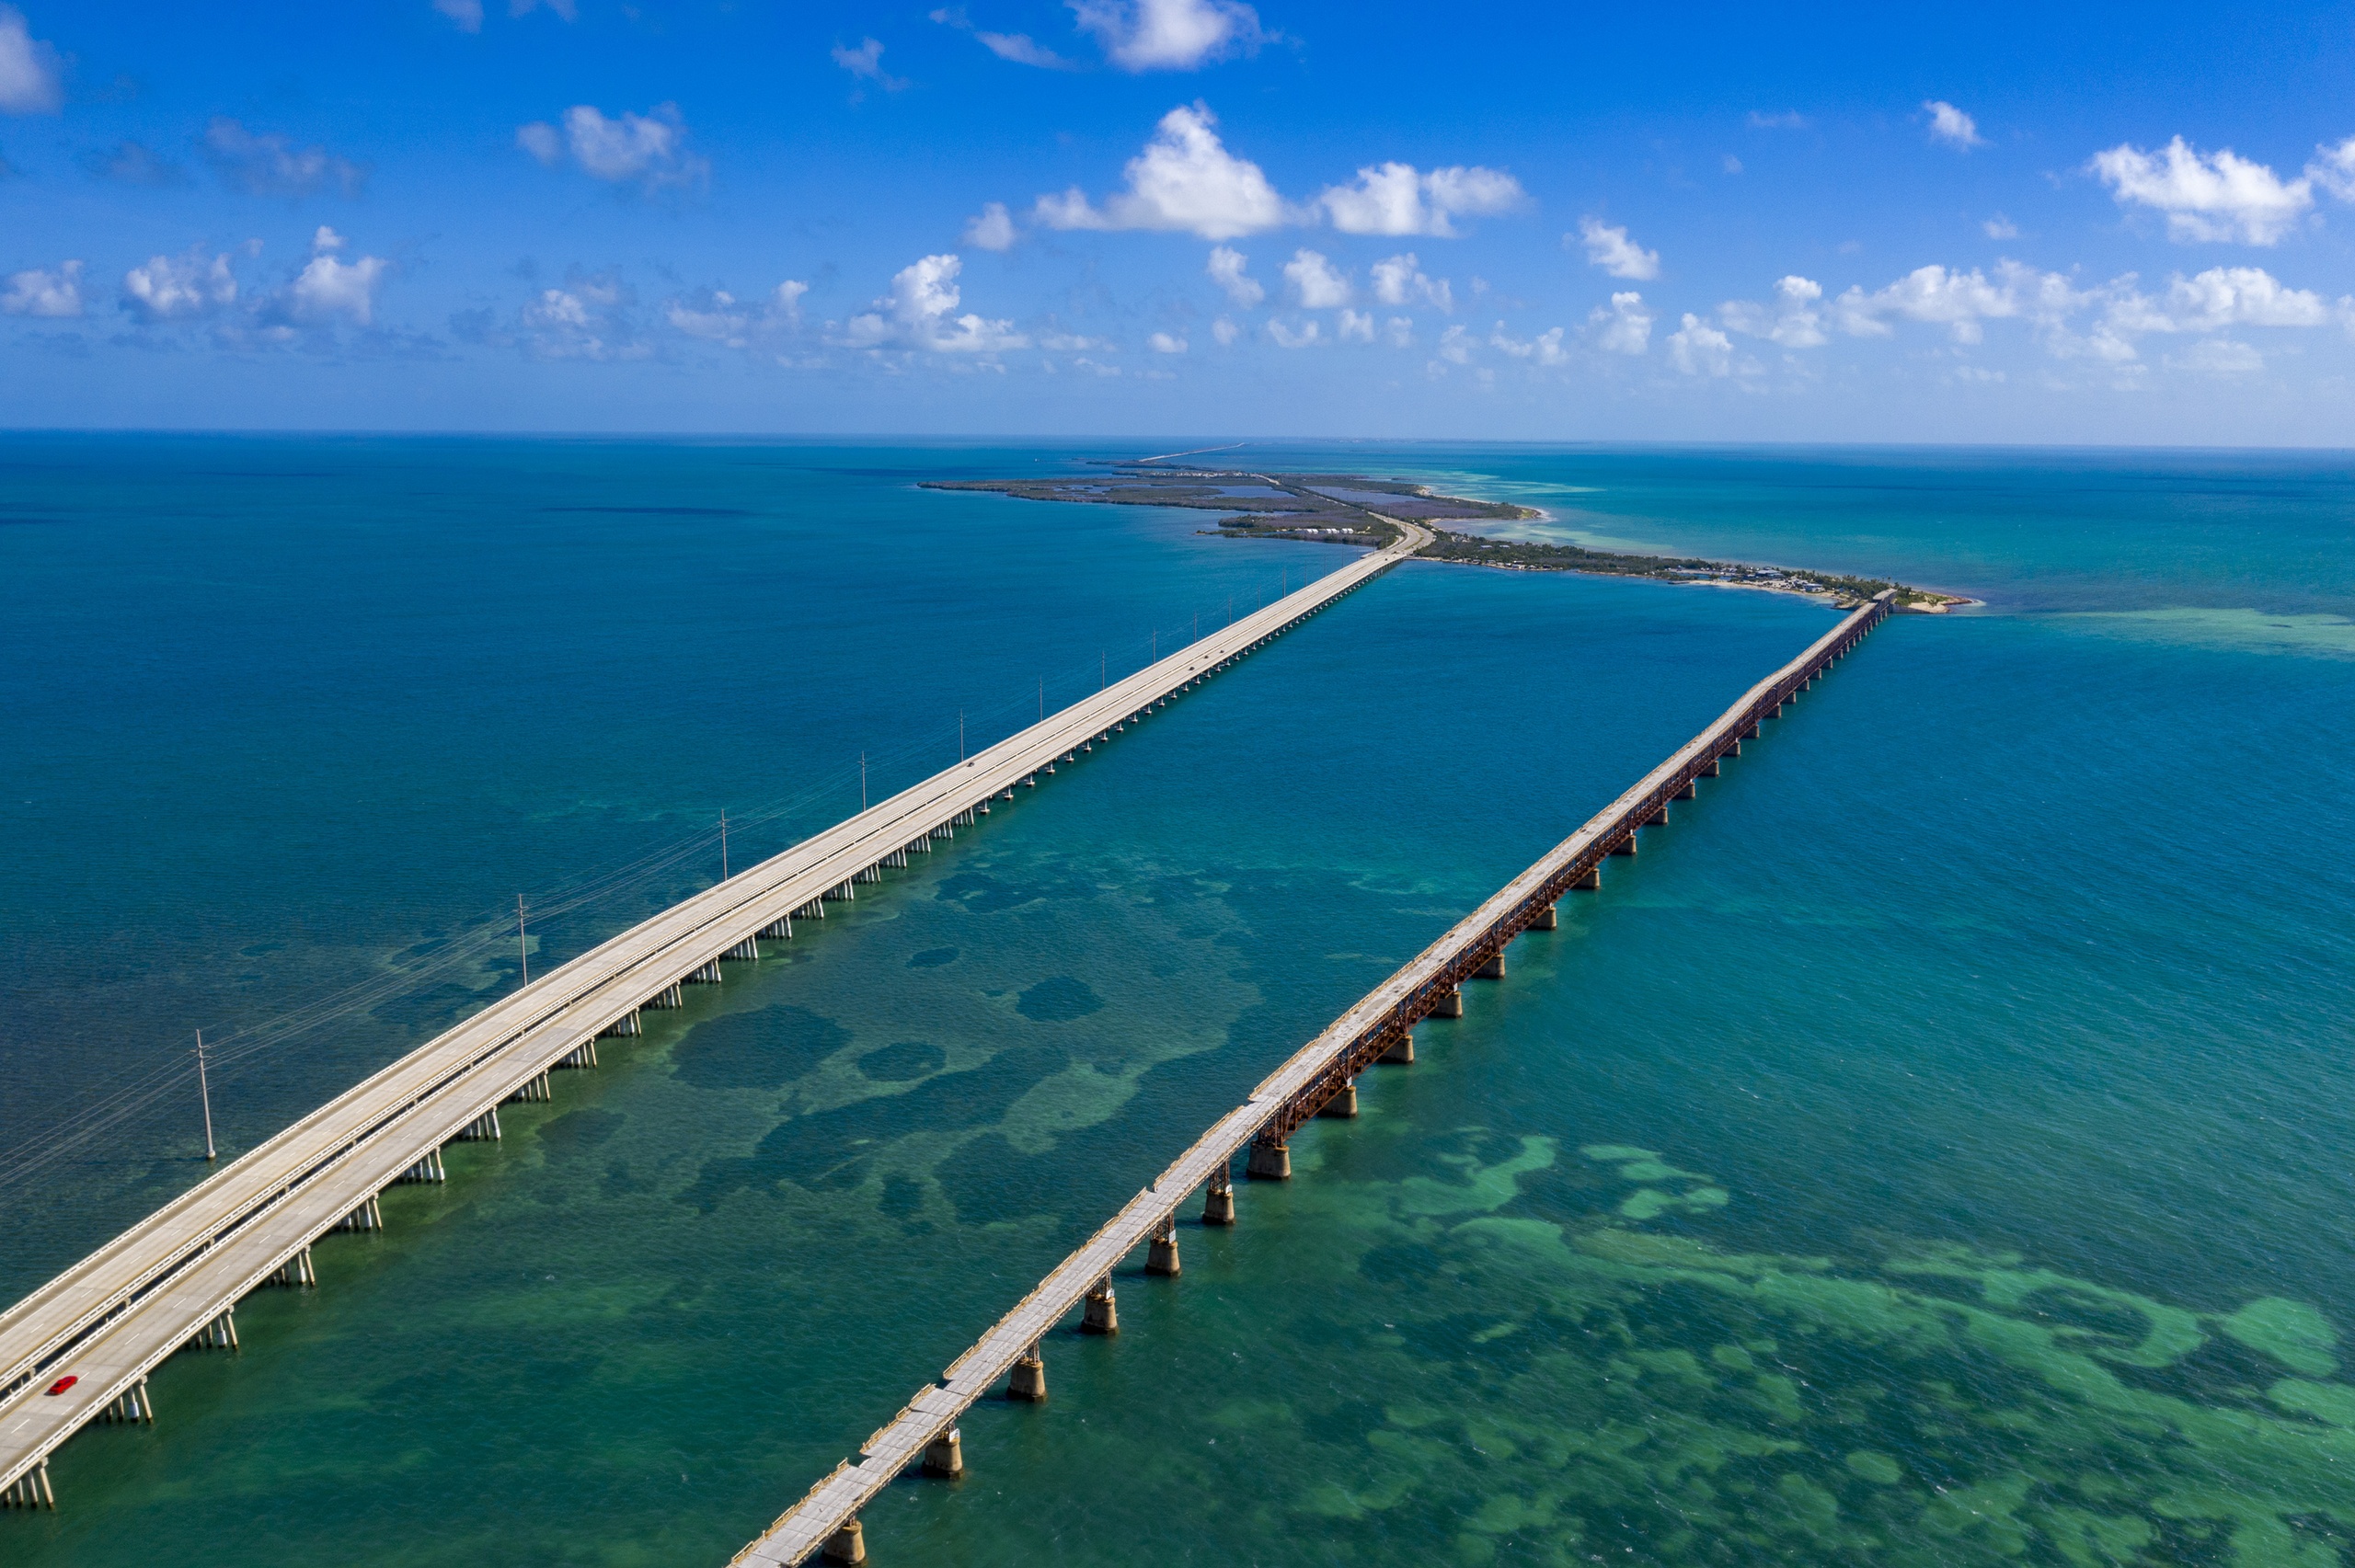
(80, 1348)
(1319, 1078)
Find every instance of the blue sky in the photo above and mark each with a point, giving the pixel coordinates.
(1128, 216)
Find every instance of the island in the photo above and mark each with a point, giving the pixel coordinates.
(1352, 508)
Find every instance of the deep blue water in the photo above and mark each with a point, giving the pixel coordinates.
(1933, 1147)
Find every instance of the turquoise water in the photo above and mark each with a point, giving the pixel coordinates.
(1932, 1149)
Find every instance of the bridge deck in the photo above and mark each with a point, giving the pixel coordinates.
(110, 1318)
(1285, 1098)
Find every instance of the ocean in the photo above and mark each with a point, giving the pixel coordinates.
(1931, 1150)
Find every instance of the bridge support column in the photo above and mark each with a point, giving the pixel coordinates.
(426, 1170)
(945, 1456)
(1750, 733)
(1544, 920)
(1494, 969)
(848, 1546)
(1626, 845)
(1690, 792)
(779, 929)
(1028, 1383)
(667, 996)
(1657, 819)
(1161, 1255)
(815, 910)
(220, 1333)
(367, 1216)
(31, 1490)
(625, 1026)
(581, 1057)
(749, 948)
(1588, 881)
(134, 1404)
(1269, 1162)
(1449, 1003)
(483, 1128)
(1343, 1105)
(1218, 1200)
(1402, 1049)
(703, 974)
(1099, 1314)
(534, 1089)
(1709, 769)
(296, 1270)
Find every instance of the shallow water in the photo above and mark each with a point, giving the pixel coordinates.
(1931, 1149)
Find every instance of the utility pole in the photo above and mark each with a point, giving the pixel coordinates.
(204, 1090)
(522, 948)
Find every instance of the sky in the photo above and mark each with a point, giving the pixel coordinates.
(1706, 222)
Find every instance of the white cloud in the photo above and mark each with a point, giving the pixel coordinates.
(1355, 326)
(1951, 125)
(649, 149)
(1316, 282)
(1792, 320)
(1164, 343)
(786, 300)
(1184, 181)
(1226, 271)
(1400, 281)
(329, 287)
(1394, 199)
(2000, 227)
(716, 317)
(1308, 336)
(2218, 196)
(1225, 331)
(172, 289)
(2240, 296)
(466, 15)
(1698, 348)
(1626, 328)
(2220, 356)
(1609, 248)
(1789, 119)
(39, 292)
(993, 230)
(30, 77)
(866, 63)
(1959, 300)
(589, 318)
(1399, 330)
(1455, 345)
(915, 315)
(1169, 34)
(1545, 348)
(1019, 49)
(270, 165)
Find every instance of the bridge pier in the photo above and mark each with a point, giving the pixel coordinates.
(367, 1216)
(1544, 920)
(945, 1456)
(667, 996)
(1161, 1252)
(133, 1405)
(1028, 1383)
(815, 910)
(1402, 1049)
(779, 929)
(426, 1170)
(840, 893)
(1343, 1105)
(31, 1490)
(1688, 791)
(1589, 880)
(1657, 819)
(749, 948)
(296, 1271)
(483, 1128)
(533, 1089)
(1448, 1003)
(220, 1333)
(1709, 769)
(584, 1055)
(1626, 845)
(1494, 969)
(1218, 1198)
(706, 974)
(1270, 1162)
(1750, 733)
(1100, 1315)
(626, 1026)
(848, 1546)
(868, 873)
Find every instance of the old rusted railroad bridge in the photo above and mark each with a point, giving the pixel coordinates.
(173, 1281)
(1319, 1078)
